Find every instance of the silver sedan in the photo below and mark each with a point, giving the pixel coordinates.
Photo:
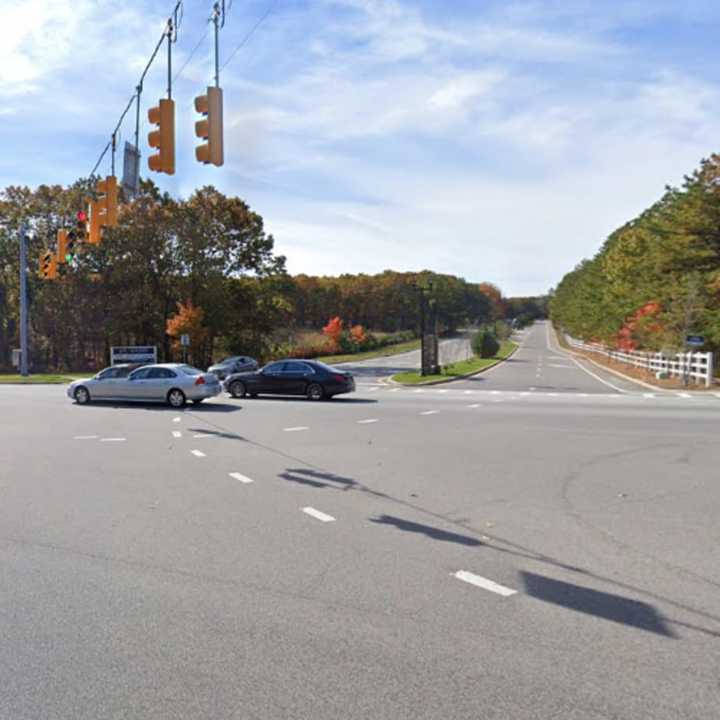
(172, 383)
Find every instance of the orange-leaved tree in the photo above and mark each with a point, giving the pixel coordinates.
(333, 331)
(188, 321)
(357, 334)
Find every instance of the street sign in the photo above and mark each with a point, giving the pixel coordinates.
(185, 340)
(695, 340)
(16, 357)
(133, 354)
(131, 170)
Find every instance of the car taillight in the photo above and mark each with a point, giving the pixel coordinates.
(200, 380)
(340, 378)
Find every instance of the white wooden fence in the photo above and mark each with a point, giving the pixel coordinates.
(695, 366)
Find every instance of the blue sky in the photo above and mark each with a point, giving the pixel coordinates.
(495, 140)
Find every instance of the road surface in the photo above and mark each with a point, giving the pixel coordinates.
(529, 544)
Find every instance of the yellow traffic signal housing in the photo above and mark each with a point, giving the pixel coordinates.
(211, 128)
(107, 191)
(163, 138)
(48, 265)
(62, 247)
(93, 233)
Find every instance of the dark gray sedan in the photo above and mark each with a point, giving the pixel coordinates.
(234, 364)
(172, 383)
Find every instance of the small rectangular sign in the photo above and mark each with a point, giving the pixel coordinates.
(131, 170)
(695, 340)
(185, 340)
(133, 354)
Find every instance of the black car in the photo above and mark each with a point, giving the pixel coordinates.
(311, 378)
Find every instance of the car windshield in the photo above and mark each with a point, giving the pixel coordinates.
(190, 370)
(228, 360)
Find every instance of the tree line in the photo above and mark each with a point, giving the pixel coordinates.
(656, 279)
(205, 265)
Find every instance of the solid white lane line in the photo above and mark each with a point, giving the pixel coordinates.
(524, 394)
(484, 583)
(420, 390)
(648, 395)
(204, 435)
(241, 478)
(368, 421)
(113, 439)
(429, 412)
(684, 395)
(469, 392)
(177, 434)
(86, 437)
(323, 517)
(441, 391)
(296, 429)
(197, 453)
(495, 392)
(176, 419)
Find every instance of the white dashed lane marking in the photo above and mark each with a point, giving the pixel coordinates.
(323, 517)
(241, 478)
(85, 437)
(368, 421)
(430, 412)
(177, 434)
(296, 429)
(198, 453)
(484, 583)
(112, 439)
(176, 419)
(475, 405)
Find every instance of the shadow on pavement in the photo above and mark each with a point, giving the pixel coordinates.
(429, 530)
(219, 434)
(317, 479)
(604, 605)
(209, 408)
(337, 400)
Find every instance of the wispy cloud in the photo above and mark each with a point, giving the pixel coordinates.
(499, 141)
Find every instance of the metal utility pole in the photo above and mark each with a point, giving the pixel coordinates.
(23, 302)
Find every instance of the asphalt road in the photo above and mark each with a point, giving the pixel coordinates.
(477, 550)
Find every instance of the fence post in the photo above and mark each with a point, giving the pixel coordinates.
(710, 370)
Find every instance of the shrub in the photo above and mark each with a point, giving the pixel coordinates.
(485, 344)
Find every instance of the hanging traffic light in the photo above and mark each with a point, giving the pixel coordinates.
(163, 138)
(107, 192)
(211, 128)
(93, 226)
(62, 247)
(48, 265)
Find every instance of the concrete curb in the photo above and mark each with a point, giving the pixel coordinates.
(444, 381)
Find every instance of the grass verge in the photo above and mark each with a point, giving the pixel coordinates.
(39, 379)
(370, 354)
(467, 367)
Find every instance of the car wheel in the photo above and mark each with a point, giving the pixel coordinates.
(315, 392)
(237, 389)
(81, 395)
(176, 398)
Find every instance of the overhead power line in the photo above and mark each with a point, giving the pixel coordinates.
(247, 37)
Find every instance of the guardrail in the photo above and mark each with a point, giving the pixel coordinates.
(691, 366)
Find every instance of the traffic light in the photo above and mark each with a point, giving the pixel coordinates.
(163, 138)
(211, 128)
(107, 192)
(63, 240)
(48, 265)
(93, 226)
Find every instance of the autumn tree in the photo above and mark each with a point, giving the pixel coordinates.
(189, 321)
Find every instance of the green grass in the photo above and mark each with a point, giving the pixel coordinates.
(370, 354)
(457, 369)
(40, 379)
